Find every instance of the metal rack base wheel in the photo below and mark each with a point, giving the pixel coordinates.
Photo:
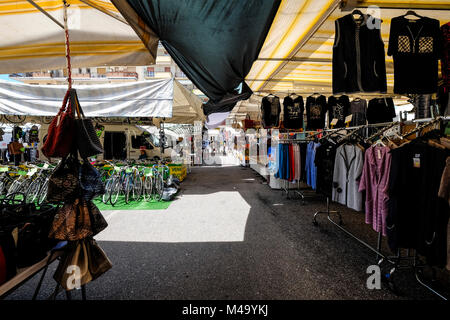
(388, 280)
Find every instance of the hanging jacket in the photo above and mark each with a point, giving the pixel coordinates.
(375, 181)
(270, 111)
(416, 46)
(348, 167)
(417, 216)
(358, 56)
(324, 161)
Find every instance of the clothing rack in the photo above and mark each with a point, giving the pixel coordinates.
(285, 186)
(394, 261)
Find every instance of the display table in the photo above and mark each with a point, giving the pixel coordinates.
(24, 274)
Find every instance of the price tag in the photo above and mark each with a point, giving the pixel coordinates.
(416, 161)
(4, 169)
(45, 165)
(348, 119)
(334, 122)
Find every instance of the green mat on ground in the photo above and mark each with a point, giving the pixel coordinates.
(133, 205)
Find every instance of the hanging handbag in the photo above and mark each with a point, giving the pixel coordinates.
(73, 269)
(98, 222)
(72, 222)
(63, 185)
(91, 183)
(87, 141)
(61, 131)
(98, 261)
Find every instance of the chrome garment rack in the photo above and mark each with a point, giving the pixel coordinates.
(394, 261)
(285, 186)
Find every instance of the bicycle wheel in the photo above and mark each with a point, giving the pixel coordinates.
(43, 192)
(2, 187)
(13, 187)
(147, 188)
(47, 119)
(32, 193)
(108, 190)
(117, 186)
(23, 188)
(14, 118)
(137, 188)
(159, 187)
(128, 189)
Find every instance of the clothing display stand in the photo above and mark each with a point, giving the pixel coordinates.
(395, 261)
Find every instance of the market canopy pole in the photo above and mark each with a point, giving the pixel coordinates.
(46, 13)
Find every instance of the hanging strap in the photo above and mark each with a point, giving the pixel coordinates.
(67, 45)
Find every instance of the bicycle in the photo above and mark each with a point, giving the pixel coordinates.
(37, 191)
(158, 178)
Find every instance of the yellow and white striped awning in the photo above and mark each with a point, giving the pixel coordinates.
(297, 53)
(31, 41)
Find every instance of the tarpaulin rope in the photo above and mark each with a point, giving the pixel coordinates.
(67, 45)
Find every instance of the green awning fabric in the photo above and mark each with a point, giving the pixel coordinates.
(214, 42)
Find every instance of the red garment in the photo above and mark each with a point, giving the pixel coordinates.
(2, 267)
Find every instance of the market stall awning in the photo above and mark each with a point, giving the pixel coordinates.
(99, 35)
(214, 42)
(297, 53)
(152, 98)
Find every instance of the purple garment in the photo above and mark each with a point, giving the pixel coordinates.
(375, 181)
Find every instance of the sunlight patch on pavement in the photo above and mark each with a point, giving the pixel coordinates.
(214, 217)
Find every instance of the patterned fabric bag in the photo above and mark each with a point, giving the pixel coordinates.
(72, 222)
(90, 182)
(64, 183)
(98, 222)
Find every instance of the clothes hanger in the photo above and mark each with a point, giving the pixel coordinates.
(380, 143)
(358, 12)
(412, 13)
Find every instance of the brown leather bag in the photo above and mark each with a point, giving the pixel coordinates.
(73, 269)
(98, 261)
(72, 222)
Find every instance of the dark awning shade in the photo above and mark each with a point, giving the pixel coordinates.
(214, 42)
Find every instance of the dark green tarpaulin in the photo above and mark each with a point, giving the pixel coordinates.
(214, 42)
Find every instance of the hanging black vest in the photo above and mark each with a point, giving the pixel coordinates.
(358, 56)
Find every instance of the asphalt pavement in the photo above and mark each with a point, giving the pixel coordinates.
(228, 235)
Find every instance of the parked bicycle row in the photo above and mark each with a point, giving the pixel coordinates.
(133, 181)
